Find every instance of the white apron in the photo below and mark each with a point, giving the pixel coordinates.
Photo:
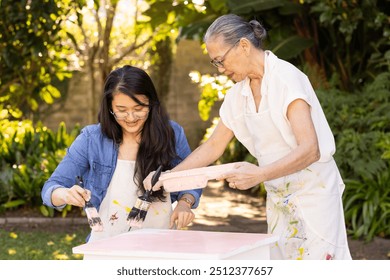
(304, 208)
(120, 198)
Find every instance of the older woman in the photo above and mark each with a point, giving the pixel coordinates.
(134, 136)
(274, 112)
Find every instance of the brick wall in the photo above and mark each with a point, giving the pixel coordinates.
(184, 95)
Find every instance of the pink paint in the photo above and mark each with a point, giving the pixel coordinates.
(329, 257)
(175, 242)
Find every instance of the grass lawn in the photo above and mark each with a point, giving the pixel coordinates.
(40, 245)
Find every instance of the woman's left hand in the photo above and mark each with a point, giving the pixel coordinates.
(244, 176)
(182, 215)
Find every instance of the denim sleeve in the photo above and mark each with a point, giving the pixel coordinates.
(183, 150)
(75, 163)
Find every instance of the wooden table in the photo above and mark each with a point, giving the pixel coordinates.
(179, 244)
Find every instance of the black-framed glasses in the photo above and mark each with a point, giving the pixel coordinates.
(137, 115)
(219, 62)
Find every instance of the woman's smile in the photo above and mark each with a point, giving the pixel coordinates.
(132, 123)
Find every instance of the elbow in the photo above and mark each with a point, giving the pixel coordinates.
(311, 153)
(315, 153)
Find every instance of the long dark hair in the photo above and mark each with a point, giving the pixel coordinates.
(157, 145)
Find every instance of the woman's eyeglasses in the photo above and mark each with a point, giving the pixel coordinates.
(137, 115)
(219, 62)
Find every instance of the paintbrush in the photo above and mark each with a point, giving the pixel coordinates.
(138, 213)
(94, 220)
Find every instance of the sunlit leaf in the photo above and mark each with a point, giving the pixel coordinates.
(11, 252)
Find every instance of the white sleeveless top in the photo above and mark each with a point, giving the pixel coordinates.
(120, 198)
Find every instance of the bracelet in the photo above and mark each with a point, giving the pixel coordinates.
(187, 200)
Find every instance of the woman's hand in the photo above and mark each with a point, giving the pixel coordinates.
(182, 215)
(75, 195)
(148, 182)
(245, 175)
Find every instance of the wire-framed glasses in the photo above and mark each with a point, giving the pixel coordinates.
(137, 115)
(219, 62)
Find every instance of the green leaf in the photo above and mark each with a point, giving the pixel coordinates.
(14, 203)
(245, 7)
(291, 47)
(217, 5)
(44, 211)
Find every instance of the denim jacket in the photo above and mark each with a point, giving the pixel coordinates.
(94, 156)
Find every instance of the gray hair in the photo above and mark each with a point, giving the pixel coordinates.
(232, 28)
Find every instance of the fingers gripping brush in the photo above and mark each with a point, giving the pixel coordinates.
(94, 220)
(138, 213)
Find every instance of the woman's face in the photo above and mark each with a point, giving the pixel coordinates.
(130, 115)
(228, 58)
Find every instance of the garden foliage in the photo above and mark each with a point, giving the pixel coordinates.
(28, 156)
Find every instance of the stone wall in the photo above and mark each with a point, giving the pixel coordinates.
(182, 103)
(184, 95)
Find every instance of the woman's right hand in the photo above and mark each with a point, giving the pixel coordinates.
(75, 195)
(148, 182)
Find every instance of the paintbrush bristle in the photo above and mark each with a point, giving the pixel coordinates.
(138, 213)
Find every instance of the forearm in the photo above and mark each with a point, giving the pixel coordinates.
(202, 156)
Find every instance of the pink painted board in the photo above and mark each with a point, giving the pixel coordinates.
(175, 243)
(195, 178)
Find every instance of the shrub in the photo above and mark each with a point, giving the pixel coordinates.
(28, 157)
(360, 123)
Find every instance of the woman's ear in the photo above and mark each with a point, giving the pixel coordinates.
(246, 46)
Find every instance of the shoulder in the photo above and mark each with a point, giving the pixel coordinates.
(94, 133)
(283, 72)
(179, 133)
(93, 140)
(176, 127)
(92, 129)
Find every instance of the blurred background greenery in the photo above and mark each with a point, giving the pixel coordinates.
(343, 47)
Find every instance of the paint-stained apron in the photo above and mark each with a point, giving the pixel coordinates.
(305, 208)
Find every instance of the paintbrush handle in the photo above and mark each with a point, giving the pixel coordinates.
(92, 214)
(80, 182)
(156, 175)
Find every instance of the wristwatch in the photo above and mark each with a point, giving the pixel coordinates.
(187, 200)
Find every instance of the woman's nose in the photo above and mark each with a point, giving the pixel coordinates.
(221, 69)
(130, 116)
